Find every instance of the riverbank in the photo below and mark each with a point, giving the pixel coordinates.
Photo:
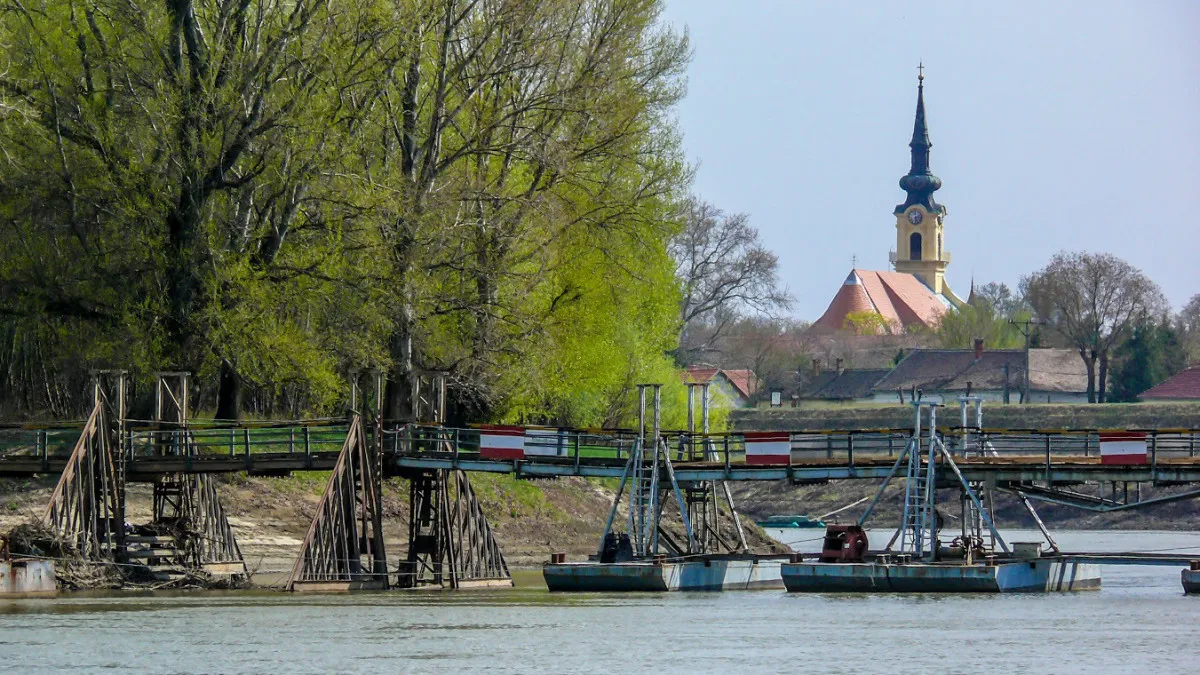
(270, 516)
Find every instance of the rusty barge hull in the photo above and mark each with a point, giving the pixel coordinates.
(1191, 581)
(1041, 575)
(711, 573)
(27, 578)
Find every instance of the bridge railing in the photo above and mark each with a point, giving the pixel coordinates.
(30, 441)
(301, 438)
(45, 442)
(808, 447)
(539, 442)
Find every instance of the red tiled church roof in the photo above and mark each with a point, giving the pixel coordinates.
(1184, 386)
(901, 299)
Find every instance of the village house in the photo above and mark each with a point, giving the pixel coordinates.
(1183, 386)
(1055, 376)
(737, 386)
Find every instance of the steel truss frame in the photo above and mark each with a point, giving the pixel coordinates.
(649, 462)
(188, 503)
(919, 527)
(450, 542)
(345, 543)
(703, 498)
(87, 507)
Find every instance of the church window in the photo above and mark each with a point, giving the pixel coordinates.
(914, 246)
(939, 247)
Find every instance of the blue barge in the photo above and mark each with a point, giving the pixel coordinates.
(717, 572)
(1037, 575)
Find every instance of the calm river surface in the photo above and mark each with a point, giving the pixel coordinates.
(1139, 622)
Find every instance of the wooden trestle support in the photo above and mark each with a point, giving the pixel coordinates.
(450, 542)
(86, 508)
(190, 530)
(344, 548)
(206, 541)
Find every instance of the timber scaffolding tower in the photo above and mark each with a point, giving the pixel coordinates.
(189, 532)
(649, 477)
(924, 460)
(450, 543)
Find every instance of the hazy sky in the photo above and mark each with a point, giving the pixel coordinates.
(1054, 125)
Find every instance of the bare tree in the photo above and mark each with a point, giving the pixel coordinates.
(1001, 298)
(1188, 323)
(1092, 300)
(726, 274)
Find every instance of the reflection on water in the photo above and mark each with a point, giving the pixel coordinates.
(1140, 619)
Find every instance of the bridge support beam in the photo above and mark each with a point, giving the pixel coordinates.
(87, 506)
(450, 543)
(190, 531)
(344, 548)
(703, 498)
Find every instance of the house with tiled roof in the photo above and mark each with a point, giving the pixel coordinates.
(1055, 375)
(1183, 386)
(915, 294)
(737, 386)
(841, 385)
(997, 375)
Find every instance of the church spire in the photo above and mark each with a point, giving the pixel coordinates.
(919, 182)
(920, 139)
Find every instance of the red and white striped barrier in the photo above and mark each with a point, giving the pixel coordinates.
(768, 447)
(501, 442)
(1123, 447)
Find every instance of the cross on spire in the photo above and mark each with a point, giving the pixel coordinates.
(920, 183)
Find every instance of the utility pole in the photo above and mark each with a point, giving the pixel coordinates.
(1026, 328)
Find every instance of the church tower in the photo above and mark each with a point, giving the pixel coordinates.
(920, 249)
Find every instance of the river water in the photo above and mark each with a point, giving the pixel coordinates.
(1139, 622)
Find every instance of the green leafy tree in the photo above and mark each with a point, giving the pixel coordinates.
(958, 328)
(1152, 353)
(169, 168)
(867, 322)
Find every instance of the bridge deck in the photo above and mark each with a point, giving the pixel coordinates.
(1006, 469)
(1058, 456)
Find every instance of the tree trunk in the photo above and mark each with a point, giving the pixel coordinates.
(1089, 360)
(229, 393)
(397, 404)
(1102, 387)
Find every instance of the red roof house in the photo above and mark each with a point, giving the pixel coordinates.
(738, 385)
(1184, 386)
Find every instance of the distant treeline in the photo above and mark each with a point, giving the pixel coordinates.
(270, 194)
